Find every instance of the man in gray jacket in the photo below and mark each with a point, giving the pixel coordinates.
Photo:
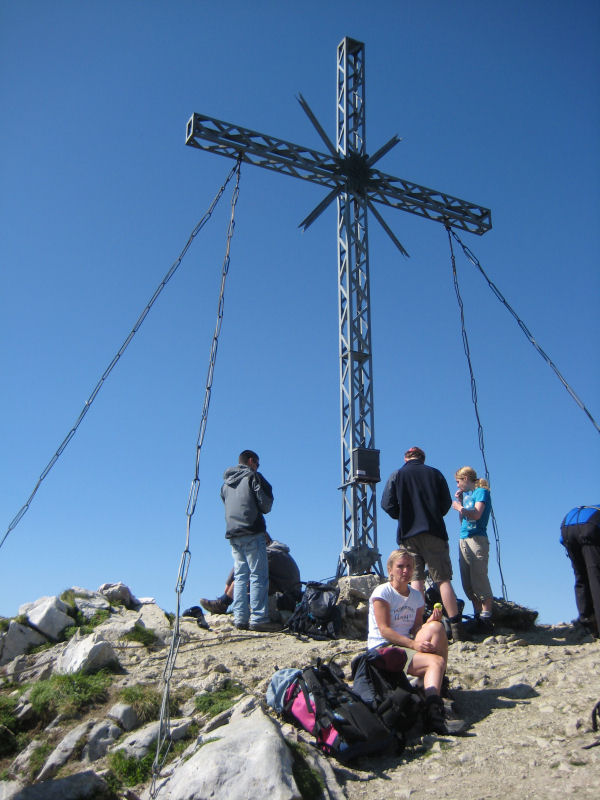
(247, 496)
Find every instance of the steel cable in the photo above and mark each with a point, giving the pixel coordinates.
(475, 404)
(120, 352)
(164, 741)
(469, 254)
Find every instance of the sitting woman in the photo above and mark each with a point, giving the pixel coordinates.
(396, 617)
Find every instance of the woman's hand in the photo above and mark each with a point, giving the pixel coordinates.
(424, 646)
(436, 615)
(457, 506)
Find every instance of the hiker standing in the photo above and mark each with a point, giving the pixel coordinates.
(418, 497)
(396, 617)
(247, 496)
(473, 502)
(580, 534)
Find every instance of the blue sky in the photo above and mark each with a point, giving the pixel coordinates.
(497, 103)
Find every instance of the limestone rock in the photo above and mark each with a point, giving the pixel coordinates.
(89, 654)
(82, 786)
(250, 760)
(102, 736)
(124, 715)
(17, 640)
(50, 616)
(61, 754)
(119, 594)
(139, 743)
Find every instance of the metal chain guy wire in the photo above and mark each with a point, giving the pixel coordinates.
(524, 328)
(120, 352)
(164, 740)
(475, 404)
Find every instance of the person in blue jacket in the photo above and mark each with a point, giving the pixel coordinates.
(580, 534)
(474, 504)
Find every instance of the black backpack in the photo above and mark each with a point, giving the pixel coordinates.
(379, 679)
(343, 725)
(317, 614)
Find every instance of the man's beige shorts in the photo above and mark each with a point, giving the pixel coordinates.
(431, 551)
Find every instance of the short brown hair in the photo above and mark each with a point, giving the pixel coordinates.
(415, 452)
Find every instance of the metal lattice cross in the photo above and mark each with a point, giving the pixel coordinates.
(349, 174)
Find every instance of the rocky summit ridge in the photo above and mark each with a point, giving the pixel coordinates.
(81, 681)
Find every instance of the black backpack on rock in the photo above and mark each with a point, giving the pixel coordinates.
(319, 701)
(317, 614)
(379, 679)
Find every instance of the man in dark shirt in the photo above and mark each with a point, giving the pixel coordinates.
(580, 534)
(418, 497)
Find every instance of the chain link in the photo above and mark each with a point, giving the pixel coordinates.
(469, 254)
(475, 404)
(164, 741)
(113, 363)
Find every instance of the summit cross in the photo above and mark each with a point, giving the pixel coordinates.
(349, 174)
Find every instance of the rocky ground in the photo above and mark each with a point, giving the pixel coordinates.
(527, 698)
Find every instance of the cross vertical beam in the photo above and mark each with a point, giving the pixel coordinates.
(348, 174)
(359, 511)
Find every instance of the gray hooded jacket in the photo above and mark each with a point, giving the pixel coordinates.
(247, 496)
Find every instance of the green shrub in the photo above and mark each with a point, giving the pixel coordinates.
(213, 703)
(145, 636)
(146, 701)
(131, 771)
(69, 694)
(4, 623)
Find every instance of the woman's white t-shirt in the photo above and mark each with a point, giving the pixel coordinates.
(403, 611)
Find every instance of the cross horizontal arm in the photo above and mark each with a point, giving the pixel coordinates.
(339, 173)
(429, 203)
(233, 141)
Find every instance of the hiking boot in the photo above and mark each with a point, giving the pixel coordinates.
(215, 606)
(457, 632)
(435, 721)
(266, 627)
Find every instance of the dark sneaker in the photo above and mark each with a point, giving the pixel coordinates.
(241, 626)
(266, 627)
(214, 606)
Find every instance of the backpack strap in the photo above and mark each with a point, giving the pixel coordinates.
(323, 718)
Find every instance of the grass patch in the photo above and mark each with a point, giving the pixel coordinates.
(309, 782)
(69, 694)
(85, 626)
(131, 771)
(38, 759)
(8, 706)
(4, 623)
(145, 636)
(145, 700)
(213, 703)
(68, 597)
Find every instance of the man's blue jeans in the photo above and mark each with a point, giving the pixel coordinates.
(250, 569)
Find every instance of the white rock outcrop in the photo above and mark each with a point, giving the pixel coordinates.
(86, 653)
(50, 616)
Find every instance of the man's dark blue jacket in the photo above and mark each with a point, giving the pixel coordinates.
(418, 497)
